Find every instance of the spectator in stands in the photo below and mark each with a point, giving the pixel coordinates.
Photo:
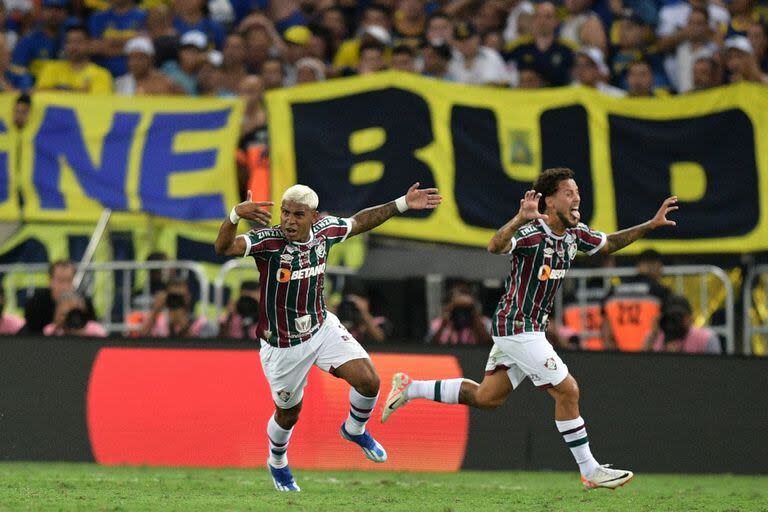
(243, 315)
(742, 16)
(472, 63)
(10, 81)
(12, 20)
(21, 111)
(354, 312)
(143, 78)
(111, 29)
(530, 78)
(371, 59)
(439, 29)
(589, 70)
(740, 61)
(73, 319)
(640, 80)
(705, 74)
(698, 43)
(673, 26)
(553, 57)
(172, 316)
(77, 73)
(233, 69)
(165, 39)
(647, 10)
(44, 42)
(404, 59)
(190, 17)
(308, 70)
(296, 47)
(210, 80)
(193, 55)
(410, 22)
(519, 19)
(374, 27)
(757, 33)
(582, 26)
(39, 309)
(262, 40)
(493, 40)
(462, 322)
(489, 17)
(436, 59)
(9, 324)
(321, 45)
(633, 36)
(273, 74)
(675, 331)
(333, 20)
(251, 89)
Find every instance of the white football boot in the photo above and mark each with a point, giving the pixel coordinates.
(396, 397)
(606, 476)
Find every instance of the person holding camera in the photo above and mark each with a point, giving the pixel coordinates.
(240, 322)
(462, 322)
(73, 319)
(675, 331)
(354, 312)
(172, 317)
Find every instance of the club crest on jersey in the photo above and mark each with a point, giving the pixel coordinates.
(550, 364)
(546, 272)
(284, 395)
(571, 251)
(320, 250)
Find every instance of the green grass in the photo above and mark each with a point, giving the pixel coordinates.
(58, 486)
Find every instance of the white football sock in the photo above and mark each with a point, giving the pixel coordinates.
(360, 408)
(445, 391)
(278, 443)
(574, 433)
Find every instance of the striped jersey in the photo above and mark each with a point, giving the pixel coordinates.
(539, 261)
(291, 274)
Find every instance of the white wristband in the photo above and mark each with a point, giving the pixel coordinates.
(234, 218)
(401, 204)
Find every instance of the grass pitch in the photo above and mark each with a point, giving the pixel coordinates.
(58, 486)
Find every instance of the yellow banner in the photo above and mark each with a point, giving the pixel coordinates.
(167, 157)
(363, 141)
(9, 198)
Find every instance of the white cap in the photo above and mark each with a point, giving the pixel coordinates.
(596, 56)
(194, 38)
(379, 33)
(739, 43)
(139, 45)
(215, 58)
(314, 64)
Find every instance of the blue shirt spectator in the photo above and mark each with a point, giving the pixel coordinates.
(190, 16)
(114, 27)
(43, 43)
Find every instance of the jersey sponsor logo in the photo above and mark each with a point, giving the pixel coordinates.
(546, 272)
(303, 323)
(285, 274)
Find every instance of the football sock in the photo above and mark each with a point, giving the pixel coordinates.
(574, 433)
(445, 391)
(278, 443)
(360, 408)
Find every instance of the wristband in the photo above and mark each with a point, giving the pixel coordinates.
(401, 204)
(234, 218)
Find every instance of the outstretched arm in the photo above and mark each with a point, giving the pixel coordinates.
(529, 210)
(226, 241)
(623, 238)
(414, 199)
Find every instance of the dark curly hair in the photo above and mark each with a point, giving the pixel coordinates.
(548, 181)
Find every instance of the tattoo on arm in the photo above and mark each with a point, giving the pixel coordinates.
(623, 238)
(502, 240)
(367, 219)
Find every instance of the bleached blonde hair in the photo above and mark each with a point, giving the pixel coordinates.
(302, 194)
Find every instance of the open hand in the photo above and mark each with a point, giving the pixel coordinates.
(256, 212)
(660, 219)
(529, 206)
(421, 199)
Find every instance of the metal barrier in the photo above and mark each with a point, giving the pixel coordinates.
(15, 272)
(678, 272)
(247, 264)
(750, 328)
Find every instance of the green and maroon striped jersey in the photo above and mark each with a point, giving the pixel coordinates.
(291, 274)
(539, 260)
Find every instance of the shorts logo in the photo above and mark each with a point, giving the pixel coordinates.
(551, 364)
(283, 275)
(284, 395)
(534, 377)
(546, 272)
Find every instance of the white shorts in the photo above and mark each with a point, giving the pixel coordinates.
(528, 354)
(287, 368)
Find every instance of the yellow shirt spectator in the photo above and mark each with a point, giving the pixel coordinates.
(61, 75)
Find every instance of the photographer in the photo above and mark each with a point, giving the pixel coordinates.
(72, 318)
(462, 322)
(172, 317)
(240, 322)
(675, 331)
(355, 314)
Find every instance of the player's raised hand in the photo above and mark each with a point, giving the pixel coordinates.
(256, 212)
(421, 199)
(660, 219)
(529, 206)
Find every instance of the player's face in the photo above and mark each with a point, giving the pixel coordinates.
(296, 220)
(566, 202)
